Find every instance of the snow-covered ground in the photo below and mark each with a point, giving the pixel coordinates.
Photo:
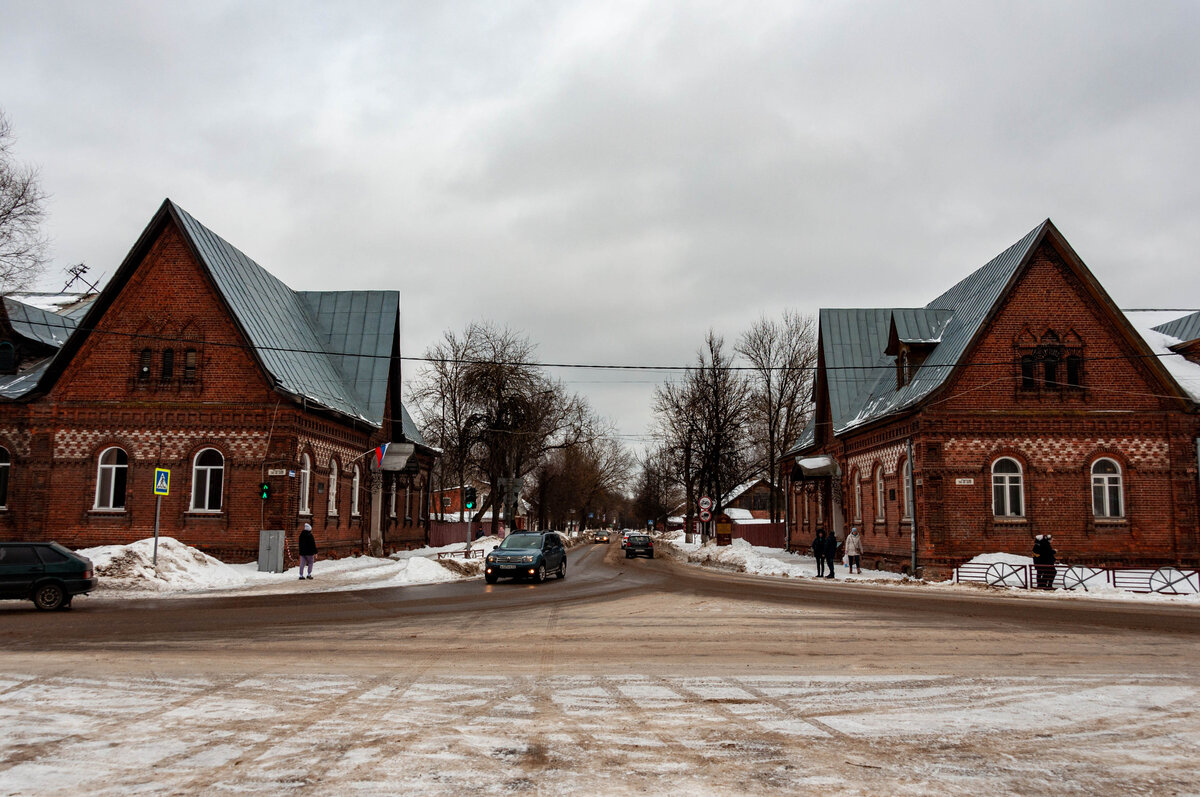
(742, 557)
(183, 570)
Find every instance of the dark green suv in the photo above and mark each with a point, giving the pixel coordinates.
(527, 554)
(45, 573)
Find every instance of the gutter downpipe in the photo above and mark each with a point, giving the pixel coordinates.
(912, 507)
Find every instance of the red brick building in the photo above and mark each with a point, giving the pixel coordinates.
(1020, 402)
(197, 360)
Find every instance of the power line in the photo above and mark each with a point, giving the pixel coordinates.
(566, 365)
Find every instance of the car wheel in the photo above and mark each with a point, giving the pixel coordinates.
(489, 578)
(628, 555)
(652, 554)
(49, 597)
(562, 569)
(540, 575)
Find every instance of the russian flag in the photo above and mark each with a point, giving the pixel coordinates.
(379, 452)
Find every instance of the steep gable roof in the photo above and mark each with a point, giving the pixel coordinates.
(331, 349)
(1186, 329)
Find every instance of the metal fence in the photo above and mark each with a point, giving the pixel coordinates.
(1163, 580)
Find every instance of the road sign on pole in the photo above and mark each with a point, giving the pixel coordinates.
(706, 503)
(705, 515)
(162, 486)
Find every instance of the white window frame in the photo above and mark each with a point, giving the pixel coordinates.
(5, 476)
(906, 488)
(1003, 485)
(106, 480)
(857, 496)
(880, 495)
(332, 510)
(305, 483)
(1104, 487)
(392, 499)
(355, 486)
(202, 478)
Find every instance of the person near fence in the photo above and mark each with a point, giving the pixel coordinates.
(831, 549)
(1043, 561)
(818, 550)
(307, 548)
(854, 551)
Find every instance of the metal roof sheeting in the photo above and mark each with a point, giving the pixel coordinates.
(861, 377)
(1186, 329)
(33, 323)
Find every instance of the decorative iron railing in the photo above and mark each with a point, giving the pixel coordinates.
(1163, 580)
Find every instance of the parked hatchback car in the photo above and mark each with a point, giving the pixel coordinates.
(526, 554)
(639, 545)
(44, 572)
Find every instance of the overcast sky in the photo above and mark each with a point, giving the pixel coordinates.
(614, 178)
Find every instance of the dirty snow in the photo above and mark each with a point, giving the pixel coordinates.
(183, 570)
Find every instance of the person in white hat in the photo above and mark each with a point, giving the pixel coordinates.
(307, 549)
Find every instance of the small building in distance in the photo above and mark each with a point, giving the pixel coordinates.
(196, 360)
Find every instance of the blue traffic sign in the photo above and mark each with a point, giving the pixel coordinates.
(162, 481)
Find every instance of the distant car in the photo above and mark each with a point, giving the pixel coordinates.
(44, 572)
(639, 545)
(532, 555)
(625, 538)
(600, 536)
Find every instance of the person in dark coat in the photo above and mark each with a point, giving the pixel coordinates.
(818, 549)
(1044, 557)
(307, 548)
(831, 549)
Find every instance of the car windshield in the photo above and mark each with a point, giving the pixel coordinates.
(522, 541)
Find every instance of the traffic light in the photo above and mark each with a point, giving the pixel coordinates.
(264, 490)
(469, 498)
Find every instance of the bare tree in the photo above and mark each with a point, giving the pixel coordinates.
(441, 403)
(22, 247)
(782, 355)
(657, 492)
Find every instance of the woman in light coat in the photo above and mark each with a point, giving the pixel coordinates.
(854, 550)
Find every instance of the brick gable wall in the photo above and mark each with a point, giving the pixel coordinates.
(99, 401)
(1123, 412)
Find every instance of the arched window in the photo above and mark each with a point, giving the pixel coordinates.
(305, 478)
(208, 473)
(111, 473)
(333, 484)
(189, 365)
(5, 467)
(1074, 370)
(145, 360)
(8, 358)
(392, 498)
(355, 484)
(907, 493)
(1008, 488)
(857, 497)
(168, 365)
(1107, 490)
(880, 509)
(1028, 372)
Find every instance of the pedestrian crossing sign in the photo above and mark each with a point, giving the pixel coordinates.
(162, 481)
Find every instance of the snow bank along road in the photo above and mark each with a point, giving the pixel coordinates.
(627, 677)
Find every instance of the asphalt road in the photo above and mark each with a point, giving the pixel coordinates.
(628, 677)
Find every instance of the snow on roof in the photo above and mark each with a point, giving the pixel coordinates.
(1184, 371)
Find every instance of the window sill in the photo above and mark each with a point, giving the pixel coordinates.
(1009, 521)
(98, 510)
(205, 512)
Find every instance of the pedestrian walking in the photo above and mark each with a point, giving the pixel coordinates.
(818, 549)
(831, 549)
(307, 548)
(854, 550)
(1044, 557)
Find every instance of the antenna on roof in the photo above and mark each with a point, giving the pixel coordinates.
(77, 271)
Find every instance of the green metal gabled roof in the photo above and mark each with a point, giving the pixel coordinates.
(861, 376)
(33, 323)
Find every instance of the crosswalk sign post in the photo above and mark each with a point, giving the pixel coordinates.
(162, 486)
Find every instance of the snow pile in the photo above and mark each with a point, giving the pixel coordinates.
(130, 570)
(1001, 558)
(180, 567)
(742, 557)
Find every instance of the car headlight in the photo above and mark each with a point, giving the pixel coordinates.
(526, 558)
